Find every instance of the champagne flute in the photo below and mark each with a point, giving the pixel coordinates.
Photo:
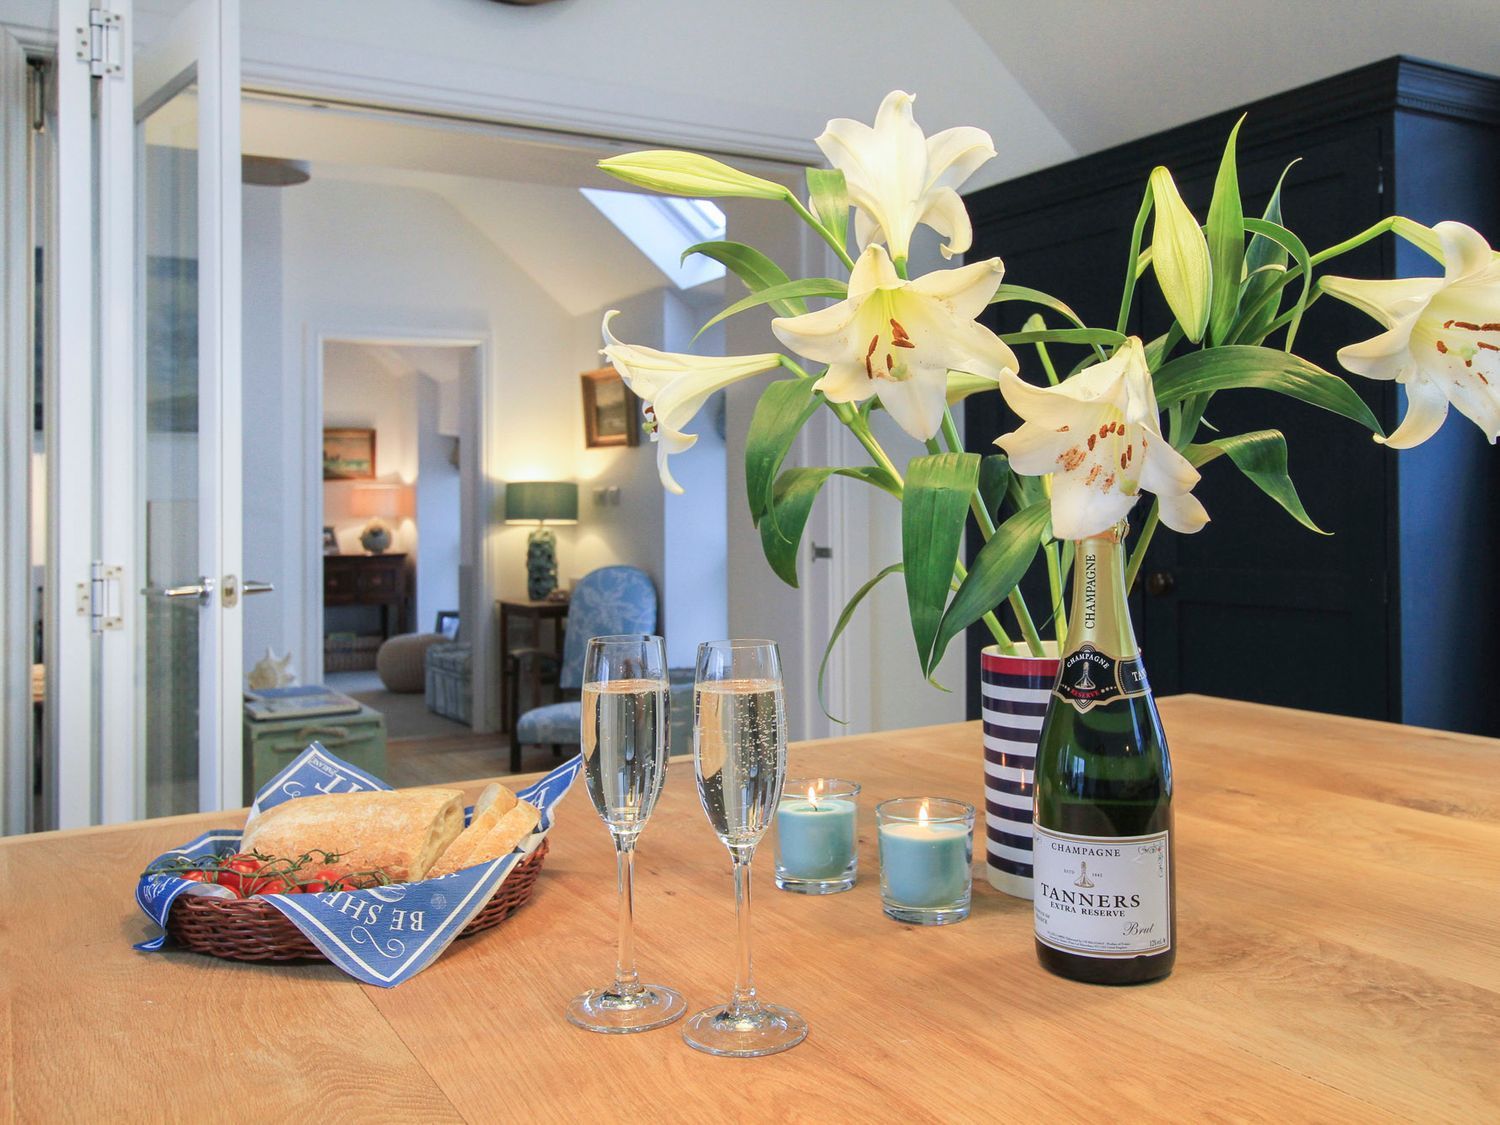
(739, 748)
(624, 762)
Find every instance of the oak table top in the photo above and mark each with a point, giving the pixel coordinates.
(1339, 960)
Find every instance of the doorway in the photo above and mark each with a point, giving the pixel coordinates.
(400, 565)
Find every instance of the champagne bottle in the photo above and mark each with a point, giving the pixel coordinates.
(1105, 909)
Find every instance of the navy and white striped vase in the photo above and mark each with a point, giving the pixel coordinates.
(1014, 692)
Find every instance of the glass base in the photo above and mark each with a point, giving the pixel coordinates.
(609, 1012)
(815, 886)
(762, 1030)
(927, 915)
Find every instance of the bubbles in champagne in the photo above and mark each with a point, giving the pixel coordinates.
(624, 749)
(739, 737)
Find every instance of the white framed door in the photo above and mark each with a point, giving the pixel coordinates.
(185, 497)
(143, 636)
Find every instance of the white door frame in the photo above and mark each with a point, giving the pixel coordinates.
(478, 461)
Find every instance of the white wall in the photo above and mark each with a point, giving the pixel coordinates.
(439, 547)
(365, 261)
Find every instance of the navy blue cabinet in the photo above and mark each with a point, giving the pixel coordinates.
(1395, 614)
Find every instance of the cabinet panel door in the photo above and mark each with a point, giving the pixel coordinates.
(1255, 606)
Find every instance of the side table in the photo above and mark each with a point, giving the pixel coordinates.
(536, 612)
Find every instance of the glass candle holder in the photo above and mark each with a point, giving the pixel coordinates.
(926, 855)
(815, 835)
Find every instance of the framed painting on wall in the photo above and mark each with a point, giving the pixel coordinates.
(611, 412)
(348, 454)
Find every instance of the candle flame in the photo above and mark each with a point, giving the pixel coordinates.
(812, 795)
(922, 813)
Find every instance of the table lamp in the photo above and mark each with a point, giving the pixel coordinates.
(382, 502)
(541, 502)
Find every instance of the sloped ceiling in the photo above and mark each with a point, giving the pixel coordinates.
(1104, 72)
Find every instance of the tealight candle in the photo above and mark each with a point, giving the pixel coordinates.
(815, 834)
(926, 851)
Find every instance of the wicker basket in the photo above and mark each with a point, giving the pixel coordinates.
(247, 929)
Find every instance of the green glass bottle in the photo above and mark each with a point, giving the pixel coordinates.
(1105, 909)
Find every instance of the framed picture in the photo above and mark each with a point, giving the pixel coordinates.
(611, 414)
(330, 542)
(348, 454)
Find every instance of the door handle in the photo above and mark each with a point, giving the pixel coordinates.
(1160, 582)
(253, 587)
(202, 590)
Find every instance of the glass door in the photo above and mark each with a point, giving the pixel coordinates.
(187, 501)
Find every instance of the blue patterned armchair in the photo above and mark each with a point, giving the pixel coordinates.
(610, 600)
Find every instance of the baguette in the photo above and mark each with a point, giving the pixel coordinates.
(498, 838)
(493, 803)
(400, 831)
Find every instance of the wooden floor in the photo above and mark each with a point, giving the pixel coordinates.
(439, 761)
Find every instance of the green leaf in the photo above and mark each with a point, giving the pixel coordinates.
(1161, 347)
(1105, 336)
(1035, 297)
(828, 196)
(933, 513)
(843, 623)
(1179, 254)
(806, 287)
(1243, 365)
(796, 489)
(1226, 242)
(1261, 456)
(994, 481)
(1265, 263)
(784, 407)
(1000, 564)
(757, 271)
(1288, 241)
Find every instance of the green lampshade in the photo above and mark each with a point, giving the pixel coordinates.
(535, 501)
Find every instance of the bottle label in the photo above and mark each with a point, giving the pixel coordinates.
(1103, 896)
(1087, 678)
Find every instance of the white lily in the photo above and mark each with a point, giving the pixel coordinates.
(1442, 338)
(674, 387)
(898, 178)
(899, 339)
(1098, 434)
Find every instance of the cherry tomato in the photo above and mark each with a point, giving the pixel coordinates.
(233, 873)
(197, 876)
(274, 884)
(320, 880)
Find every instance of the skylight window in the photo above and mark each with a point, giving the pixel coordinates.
(662, 227)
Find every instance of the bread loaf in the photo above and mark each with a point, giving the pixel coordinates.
(400, 831)
(489, 837)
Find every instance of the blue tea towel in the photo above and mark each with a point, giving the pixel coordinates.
(381, 935)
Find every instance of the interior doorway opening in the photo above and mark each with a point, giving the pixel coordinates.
(398, 499)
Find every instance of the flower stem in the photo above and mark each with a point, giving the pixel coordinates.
(1130, 266)
(823, 232)
(1138, 556)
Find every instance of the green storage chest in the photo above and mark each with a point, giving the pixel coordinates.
(357, 737)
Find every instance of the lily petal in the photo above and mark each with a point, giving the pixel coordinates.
(1465, 252)
(914, 405)
(1079, 511)
(1182, 512)
(669, 442)
(966, 290)
(1426, 410)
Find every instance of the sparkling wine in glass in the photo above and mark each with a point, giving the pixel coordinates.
(739, 749)
(624, 740)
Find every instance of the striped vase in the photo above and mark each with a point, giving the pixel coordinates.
(1013, 691)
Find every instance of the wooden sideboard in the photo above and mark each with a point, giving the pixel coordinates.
(383, 581)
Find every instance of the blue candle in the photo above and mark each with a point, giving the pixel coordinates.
(814, 838)
(925, 865)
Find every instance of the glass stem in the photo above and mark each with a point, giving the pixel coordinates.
(744, 980)
(627, 980)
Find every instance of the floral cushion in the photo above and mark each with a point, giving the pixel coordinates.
(606, 602)
(554, 723)
(558, 723)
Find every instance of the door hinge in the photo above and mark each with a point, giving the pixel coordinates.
(104, 597)
(102, 43)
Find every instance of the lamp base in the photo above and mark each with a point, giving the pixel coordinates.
(541, 564)
(376, 538)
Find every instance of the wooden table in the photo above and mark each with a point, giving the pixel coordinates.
(1339, 933)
